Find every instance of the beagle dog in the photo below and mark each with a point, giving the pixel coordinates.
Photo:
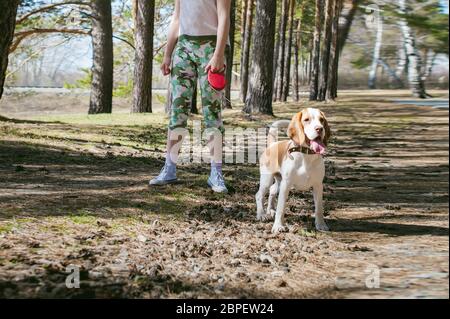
(294, 163)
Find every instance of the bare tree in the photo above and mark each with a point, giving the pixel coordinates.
(401, 61)
(8, 12)
(325, 52)
(315, 59)
(247, 39)
(376, 52)
(230, 56)
(334, 53)
(259, 98)
(143, 38)
(348, 13)
(297, 45)
(282, 48)
(287, 62)
(414, 62)
(102, 69)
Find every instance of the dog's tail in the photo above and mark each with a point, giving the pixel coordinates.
(272, 137)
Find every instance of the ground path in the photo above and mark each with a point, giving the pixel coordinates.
(73, 192)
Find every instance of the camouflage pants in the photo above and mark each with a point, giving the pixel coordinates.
(190, 59)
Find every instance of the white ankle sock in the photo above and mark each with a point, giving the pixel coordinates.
(216, 166)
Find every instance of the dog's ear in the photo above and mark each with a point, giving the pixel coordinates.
(327, 129)
(295, 130)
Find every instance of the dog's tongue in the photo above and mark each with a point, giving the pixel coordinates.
(317, 146)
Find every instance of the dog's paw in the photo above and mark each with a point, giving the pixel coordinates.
(322, 226)
(277, 228)
(260, 217)
(272, 213)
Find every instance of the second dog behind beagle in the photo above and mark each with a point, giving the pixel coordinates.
(294, 163)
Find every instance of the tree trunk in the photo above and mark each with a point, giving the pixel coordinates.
(348, 14)
(325, 53)
(376, 53)
(143, 69)
(261, 81)
(315, 62)
(414, 63)
(8, 12)
(310, 61)
(282, 53)
(430, 57)
(275, 60)
(287, 62)
(392, 76)
(230, 56)
(334, 53)
(401, 61)
(246, 50)
(102, 69)
(296, 84)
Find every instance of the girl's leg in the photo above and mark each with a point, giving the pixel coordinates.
(212, 115)
(183, 77)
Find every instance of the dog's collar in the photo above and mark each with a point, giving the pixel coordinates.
(300, 149)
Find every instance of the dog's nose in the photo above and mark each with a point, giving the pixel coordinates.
(319, 129)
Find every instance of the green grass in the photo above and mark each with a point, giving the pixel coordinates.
(6, 227)
(307, 233)
(83, 217)
(115, 119)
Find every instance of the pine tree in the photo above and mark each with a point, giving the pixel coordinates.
(261, 79)
(8, 12)
(102, 69)
(143, 38)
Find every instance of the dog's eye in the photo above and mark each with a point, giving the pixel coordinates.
(321, 120)
(306, 120)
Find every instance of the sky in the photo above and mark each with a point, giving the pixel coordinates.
(444, 5)
(86, 60)
(83, 45)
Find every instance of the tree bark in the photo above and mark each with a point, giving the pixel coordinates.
(315, 60)
(297, 43)
(392, 76)
(334, 53)
(325, 53)
(143, 69)
(376, 53)
(275, 60)
(287, 62)
(414, 63)
(429, 58)
(310, 61)
(102, 69)
(282, 53)
(246, 50)
(8, 12)
(401, 61)
(230, 56)
(261, 81)
(348, 14)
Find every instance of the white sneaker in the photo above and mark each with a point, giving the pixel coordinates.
(166, 176)
(216, 182)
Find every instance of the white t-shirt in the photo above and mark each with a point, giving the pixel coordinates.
(198, 17)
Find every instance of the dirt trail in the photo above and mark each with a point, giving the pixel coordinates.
(76, 194)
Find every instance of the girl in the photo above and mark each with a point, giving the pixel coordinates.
(198, 34)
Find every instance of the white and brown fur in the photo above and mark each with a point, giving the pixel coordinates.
(281, 171)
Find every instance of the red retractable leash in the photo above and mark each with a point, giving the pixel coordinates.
(217, 78)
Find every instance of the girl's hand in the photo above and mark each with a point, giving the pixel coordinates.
(216, 64)
(165, 66)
